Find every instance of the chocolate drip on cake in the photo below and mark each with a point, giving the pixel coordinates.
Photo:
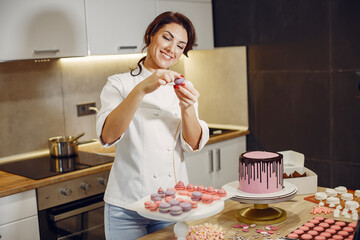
(251, 169)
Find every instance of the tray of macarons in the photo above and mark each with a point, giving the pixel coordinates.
(181, 203)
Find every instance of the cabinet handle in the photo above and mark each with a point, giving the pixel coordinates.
(211, 158)
(127, 47)
(39, 51)
(218, 157)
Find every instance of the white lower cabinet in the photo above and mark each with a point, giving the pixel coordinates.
(27, 228)
(18, 217)
(217, 164)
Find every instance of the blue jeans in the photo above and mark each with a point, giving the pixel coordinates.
(121, 223)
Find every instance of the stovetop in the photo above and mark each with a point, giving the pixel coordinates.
(46, 166)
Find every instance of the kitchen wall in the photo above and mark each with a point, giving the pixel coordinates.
(220, 75)
(304, 79)
(38, 98)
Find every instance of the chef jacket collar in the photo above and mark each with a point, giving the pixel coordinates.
(145, 72)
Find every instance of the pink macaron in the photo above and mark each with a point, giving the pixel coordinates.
(210, 190)
(147, 204)
(340, 223)
(329, 221)
(313, 232)
(190, 187)
(216, 197)
(298, 231)
(324, 225)
(292, 235)
(335, 227)
(194, 204)
(221, 192)
(318, 229)
(306, 236)
(325, 234)
(207, 198)
(348, 229)
(200, 188)
(304, 228)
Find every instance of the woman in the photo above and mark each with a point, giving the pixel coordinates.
(151, 123)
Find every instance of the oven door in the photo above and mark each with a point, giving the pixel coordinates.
(82, 219)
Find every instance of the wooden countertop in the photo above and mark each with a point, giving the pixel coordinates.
(12, 184)
(298, 212)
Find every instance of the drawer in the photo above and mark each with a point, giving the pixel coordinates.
(23, 229)
(18, 206)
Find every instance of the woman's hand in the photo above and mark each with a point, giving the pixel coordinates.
(159, 78)
(187, 95)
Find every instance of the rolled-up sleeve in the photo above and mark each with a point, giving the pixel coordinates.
(110, 98)
(204, 138)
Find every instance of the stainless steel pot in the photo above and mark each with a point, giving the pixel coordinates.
(64, 164)
(64, 146)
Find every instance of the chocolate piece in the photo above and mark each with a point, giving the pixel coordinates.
(286, 176)
(297, 174)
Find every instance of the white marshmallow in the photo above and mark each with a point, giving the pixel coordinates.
(341, 189)
(320, 196)
(351, 204)
(331, 192)
(334, 200)
(347, 196)
(357, 193)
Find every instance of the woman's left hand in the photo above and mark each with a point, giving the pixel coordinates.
(187, 94)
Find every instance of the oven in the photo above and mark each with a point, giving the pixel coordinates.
(73, 209)
(70, 209)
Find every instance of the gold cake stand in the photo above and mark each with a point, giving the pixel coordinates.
(261, 213)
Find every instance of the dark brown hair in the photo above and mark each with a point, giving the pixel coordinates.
(161, 20)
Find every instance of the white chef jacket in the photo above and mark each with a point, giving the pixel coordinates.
(149, 154)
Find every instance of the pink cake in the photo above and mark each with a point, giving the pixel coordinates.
(260, 172)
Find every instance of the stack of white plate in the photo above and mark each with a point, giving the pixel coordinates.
(288, 192)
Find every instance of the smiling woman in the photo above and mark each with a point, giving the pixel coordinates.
(152, 121)
(166, 46)
(175, 22)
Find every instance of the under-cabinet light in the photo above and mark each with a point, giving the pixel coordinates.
(103, 57)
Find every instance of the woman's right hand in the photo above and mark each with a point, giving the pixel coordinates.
(160, 77)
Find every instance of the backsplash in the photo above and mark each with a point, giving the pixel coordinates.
(38, 99)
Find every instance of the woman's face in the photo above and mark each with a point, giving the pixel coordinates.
(166, 46)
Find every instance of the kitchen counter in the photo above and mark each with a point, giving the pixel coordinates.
(298, 212)
(12, 184)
